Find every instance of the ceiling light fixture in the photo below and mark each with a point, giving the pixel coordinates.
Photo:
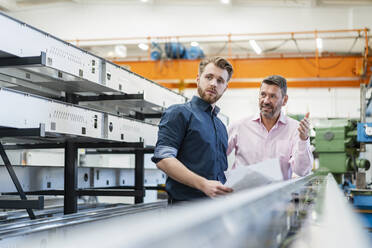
(143, 46)
(194, 44)
(255, 46)
(121, 51)
(144, 1)
(225, 1)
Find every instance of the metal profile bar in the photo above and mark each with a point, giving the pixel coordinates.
(146, 150)
(70, 186)
(82, 191)
(326, 215)
(23, 132)
(259, 217)
(15, 179)
(139, 175)
(129, 187)
(35, 146)
(22, 204)
(142, 116)
(71, 98)
(110, 97)
(134, 145)
(38, 192)
(154, 187)
(112, 192)
(109, 144)
(24, 61)
(132, 187)
(29, 229)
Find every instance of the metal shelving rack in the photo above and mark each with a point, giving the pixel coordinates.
(103, 104)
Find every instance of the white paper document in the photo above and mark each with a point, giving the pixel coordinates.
(244, 177)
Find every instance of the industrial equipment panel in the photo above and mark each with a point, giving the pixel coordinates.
(25, 41)
(122, 161)
(129, 130)
(29, 111)
(116, 77)
(67, 68)
(149, 133)
(153, 93)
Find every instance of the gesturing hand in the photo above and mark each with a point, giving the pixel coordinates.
(304, 127)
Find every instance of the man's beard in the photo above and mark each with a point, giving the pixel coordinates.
(207, 98)
(269, 114)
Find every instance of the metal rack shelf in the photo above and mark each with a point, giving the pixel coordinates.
(37, 62)
(64, 120)
(71, 192)
(60, 96)
(35, 70)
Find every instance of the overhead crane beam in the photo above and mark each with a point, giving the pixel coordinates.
(335, 71)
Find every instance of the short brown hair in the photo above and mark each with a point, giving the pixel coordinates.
(219, 62)
(277, 80)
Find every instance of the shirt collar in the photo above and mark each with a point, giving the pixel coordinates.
(203, 105)
(282, 117)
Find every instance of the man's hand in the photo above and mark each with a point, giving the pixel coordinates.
(176, 170)
(214, 188)
(304, 127)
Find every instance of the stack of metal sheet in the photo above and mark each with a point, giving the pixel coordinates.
(306, 212)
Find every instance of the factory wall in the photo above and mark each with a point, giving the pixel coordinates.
(320, 102)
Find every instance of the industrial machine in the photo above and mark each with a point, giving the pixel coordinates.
(339, 143)
(338, 149)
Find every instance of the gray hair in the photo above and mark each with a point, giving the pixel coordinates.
(277, 80)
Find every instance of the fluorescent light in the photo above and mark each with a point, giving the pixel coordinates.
(143, 46)
(319, 43)
(194, 43)
(225, 1)
(255, 46)
(121, 51)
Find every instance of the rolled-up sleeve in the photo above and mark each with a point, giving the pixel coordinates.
(302, 159)
(172, 129)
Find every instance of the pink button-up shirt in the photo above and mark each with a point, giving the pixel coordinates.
(253, 143)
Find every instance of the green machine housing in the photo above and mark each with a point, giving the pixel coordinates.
(337, 147)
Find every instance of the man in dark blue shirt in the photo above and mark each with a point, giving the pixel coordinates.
(192, 140)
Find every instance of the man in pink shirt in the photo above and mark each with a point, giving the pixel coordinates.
(271, 134)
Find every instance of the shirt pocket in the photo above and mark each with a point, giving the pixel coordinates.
(282, 148)
(250, 154)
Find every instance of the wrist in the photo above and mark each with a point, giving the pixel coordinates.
(304, 139)
(200, 183)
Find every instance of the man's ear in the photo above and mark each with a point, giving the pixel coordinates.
(197, 79)
(285, 100)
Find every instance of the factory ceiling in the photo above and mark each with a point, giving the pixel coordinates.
(232, 45)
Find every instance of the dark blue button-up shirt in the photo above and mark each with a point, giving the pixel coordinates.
(193, 134)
